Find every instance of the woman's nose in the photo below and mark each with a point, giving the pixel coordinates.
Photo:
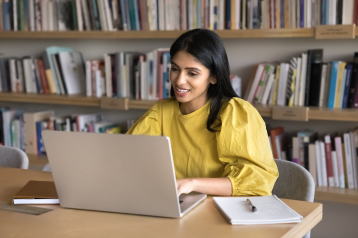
(181, 79)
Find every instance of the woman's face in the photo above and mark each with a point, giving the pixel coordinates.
(190, 79)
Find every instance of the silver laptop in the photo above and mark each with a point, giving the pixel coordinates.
(116, 173)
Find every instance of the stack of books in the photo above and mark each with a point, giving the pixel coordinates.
(305, 81)
(332, 159)
(135, 15)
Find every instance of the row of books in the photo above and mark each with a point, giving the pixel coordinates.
(331, 159)
(130, 74)
(305, 81)
(23, 129)
(112, 15)
(62, 71)
(59, 70)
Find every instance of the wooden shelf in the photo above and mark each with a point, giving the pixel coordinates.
(341, 195)
(225, 34)
(316, 113)
(75, 100)
(265, 111)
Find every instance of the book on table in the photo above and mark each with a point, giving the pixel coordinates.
(37, 192)
(270, 210)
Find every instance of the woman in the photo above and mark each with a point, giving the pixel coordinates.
(219, 141)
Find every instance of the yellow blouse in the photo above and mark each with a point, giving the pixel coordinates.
(239, 149)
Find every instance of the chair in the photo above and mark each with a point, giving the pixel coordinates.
(13, 157)
(294, 182)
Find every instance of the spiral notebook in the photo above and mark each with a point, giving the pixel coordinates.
(270, 210)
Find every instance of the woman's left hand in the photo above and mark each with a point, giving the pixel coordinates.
(185, 186)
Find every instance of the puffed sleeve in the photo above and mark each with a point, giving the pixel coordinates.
(245, 151)
(148, 124)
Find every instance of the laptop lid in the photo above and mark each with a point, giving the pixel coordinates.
(113, 172)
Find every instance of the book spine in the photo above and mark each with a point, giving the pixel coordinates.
(324, 163)
(335, 169)
(354, 155)
(108, 14)
(123, 14)
(306, 142)
(91, 14)
(328, 152)
(79, 15)
(346, 86)
(319, 164)
(40, 142)
(46, 89)
(343, 82)
(354, 82)
(333, 84)
(302, 13)
(339, 84)
(349, 163)
(88, 79)
(301, 100)
(301, 149)
(338, 144)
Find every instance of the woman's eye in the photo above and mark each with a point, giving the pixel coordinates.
(193, 74)
(174, 69)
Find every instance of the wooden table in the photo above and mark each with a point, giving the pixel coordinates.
(203, 221)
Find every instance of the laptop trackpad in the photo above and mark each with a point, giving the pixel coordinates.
(189, 201)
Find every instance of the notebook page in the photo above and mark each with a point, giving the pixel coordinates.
(270, 210)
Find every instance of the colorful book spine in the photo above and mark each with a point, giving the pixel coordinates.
(40, 126)
(333, 84)
(328, 152)
(339, 84)
(323, 12)
(302, 13)
(342, 88)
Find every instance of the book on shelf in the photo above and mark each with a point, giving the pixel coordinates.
(331, 159)
(23, 130)
(305, 81)
(30, 120)
(135, 15)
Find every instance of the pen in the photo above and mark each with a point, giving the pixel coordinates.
(254, 209)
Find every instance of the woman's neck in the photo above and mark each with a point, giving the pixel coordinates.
(192, 106)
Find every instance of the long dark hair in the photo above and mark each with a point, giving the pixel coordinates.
(207, 47)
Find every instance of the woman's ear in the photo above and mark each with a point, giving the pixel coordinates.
(213, 80)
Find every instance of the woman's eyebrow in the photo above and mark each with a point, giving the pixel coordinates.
(186, 67)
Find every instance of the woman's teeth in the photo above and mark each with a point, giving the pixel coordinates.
(182, 91)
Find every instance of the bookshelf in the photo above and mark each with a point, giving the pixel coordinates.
(264, 110)
(277, 41)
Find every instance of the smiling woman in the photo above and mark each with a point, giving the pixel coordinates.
(219, 141)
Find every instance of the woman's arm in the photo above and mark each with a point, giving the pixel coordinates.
(213, 186)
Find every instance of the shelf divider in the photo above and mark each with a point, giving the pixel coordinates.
(225, 34)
